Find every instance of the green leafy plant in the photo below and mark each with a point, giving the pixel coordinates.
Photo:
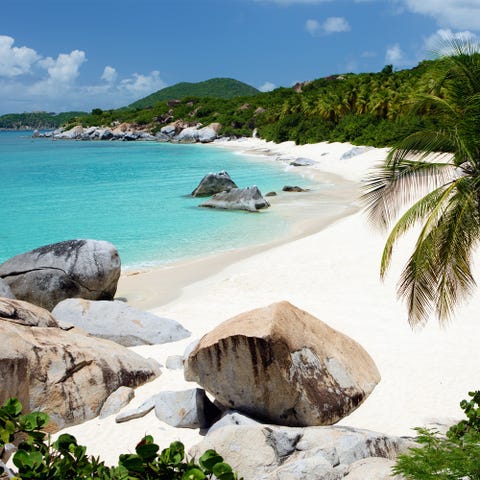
(39, 458)
(452, 457)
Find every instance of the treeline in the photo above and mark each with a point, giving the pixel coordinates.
(36, 120)
(365, 109)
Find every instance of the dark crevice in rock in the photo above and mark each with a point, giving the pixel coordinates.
(75, 368)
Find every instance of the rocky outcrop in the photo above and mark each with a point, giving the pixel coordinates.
(186, 409)
(213, 183)
(76, 268)
(302, 162)
(181, 409)
(116, 401)
(176, 132)
(119, 322)
(294, 188)
(261, 452)
(284, 366)
(67, 374)
(249, 199)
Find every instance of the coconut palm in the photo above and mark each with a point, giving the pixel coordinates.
(431, 179)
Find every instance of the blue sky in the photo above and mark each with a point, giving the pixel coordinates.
(60, 55)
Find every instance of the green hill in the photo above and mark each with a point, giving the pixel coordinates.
(213, 88)
(36, 120)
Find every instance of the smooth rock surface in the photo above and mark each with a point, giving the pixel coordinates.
(116, 401)
(213, 183)
(260, 452)
(372, 468)
(146, 407)
(119, 322)
(283, 366)
(232, 417)
(75, 268)
(185, 409)
(5, 290)
(67, 374)
(249, 199)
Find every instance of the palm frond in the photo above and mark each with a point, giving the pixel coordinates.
(391, 186)
(431, 206)
(418, 282)
(458, 233)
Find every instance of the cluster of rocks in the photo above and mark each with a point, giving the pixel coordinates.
(226, 195)
(270, 381)
(276, 389)
(65, 362)
(177, 132)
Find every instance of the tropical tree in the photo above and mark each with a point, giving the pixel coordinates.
(431, 179)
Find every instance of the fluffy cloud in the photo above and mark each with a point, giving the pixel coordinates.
(394, 55)
(54, 84)
(109, 74)
(15, 61)
(267, 87)
(330, 25)
(143, 84)
(65, 69)
(449, 13)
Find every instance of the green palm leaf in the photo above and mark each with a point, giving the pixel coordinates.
(432, 178)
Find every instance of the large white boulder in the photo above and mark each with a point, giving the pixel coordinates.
(75, 268)
(284, 366)
(119, 322)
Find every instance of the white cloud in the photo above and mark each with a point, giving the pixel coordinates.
(448, 13)
(65, 69)
(54, 84)
(395, 55)
(440, 41)
(143, 84)
(15, 61)
(329, 26)
(267, 87)
(109, 74)
(335, 25)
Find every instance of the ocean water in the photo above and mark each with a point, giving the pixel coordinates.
(133, 194)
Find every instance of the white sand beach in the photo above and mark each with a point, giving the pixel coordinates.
(328, 266)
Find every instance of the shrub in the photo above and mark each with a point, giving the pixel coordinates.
(38, 458)
(455, 456)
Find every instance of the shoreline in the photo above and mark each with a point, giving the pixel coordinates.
(333, 274)
(151, 287)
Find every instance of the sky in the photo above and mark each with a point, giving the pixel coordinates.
(62, 55)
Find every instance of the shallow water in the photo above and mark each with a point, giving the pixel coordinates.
(133, 194)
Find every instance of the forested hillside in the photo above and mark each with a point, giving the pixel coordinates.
(36, 120)
(213, 88)
(367, 108)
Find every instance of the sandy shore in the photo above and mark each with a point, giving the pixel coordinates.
(327, 266)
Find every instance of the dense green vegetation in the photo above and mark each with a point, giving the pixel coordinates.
(39, 458)
(451, 457)
(36, 120)
(364, 109)
(438, 193)
(213, 88)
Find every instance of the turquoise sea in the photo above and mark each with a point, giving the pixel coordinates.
(133, 194)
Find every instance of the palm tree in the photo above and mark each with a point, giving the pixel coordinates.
(431, 179)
